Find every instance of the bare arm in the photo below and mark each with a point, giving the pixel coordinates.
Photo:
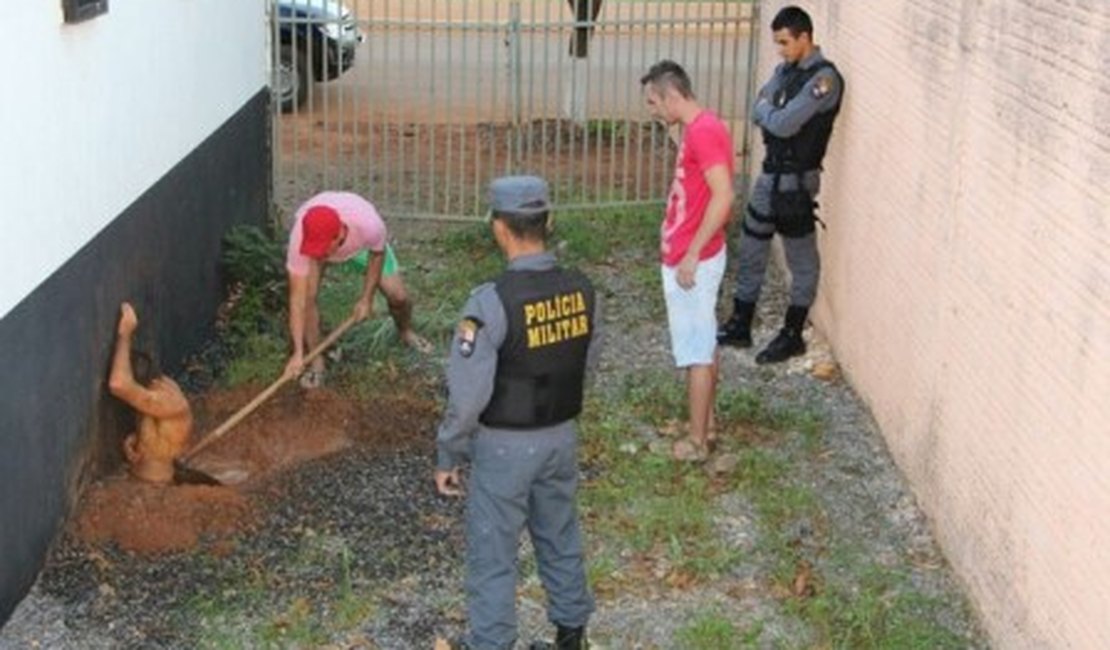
(298, 292)
(298, 306)
(718, 211)
(121, 381)
(717, 214)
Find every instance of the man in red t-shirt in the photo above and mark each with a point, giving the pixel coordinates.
(692, 241)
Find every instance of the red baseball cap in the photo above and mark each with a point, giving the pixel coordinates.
(319, 228)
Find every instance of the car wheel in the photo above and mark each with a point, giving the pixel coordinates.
(292, 78)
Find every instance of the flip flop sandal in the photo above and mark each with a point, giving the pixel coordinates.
(688, 451)
(419, 343)
(312, 379)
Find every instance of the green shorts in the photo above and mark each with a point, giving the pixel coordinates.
(389, 267)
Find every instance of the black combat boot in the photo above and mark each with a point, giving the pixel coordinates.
(566, 638)
(789, 341)
(737, 330)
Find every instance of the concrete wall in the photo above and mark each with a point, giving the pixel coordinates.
(966, 284)
(130, 144)
(95, 112)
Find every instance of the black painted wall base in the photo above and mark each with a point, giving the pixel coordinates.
(57, 420)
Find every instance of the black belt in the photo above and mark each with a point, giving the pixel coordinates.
(774, 167)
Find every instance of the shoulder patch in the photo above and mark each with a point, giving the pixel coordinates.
(467, 333)
(822, 86)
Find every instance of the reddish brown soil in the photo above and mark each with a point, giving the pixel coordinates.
(149, 518)
(293, 427)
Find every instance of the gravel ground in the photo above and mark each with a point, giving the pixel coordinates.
(372, 546)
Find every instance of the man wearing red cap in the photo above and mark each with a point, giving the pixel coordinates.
(334, 227)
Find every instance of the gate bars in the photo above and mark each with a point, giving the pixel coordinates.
(444, 95)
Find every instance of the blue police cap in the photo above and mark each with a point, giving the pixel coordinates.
(520, 195)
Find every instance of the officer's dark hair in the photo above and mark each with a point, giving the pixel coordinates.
(794, 19)
(530, 227)
(668, 74)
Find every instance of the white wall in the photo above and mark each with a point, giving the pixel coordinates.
(92, 114)
(966, 285)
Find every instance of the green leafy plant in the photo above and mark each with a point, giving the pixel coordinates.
(253, 315)
(253, 258)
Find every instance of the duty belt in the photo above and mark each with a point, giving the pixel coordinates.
(785, 167)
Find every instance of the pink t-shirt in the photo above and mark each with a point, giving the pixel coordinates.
(706, 143)
(365, 229)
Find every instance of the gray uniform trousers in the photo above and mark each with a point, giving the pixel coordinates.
(523, 479)
(801, 252)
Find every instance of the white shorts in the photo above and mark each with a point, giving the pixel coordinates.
(692, 313)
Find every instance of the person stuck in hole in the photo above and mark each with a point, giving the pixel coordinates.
(165, 421)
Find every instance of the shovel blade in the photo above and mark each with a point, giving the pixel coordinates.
(185, 475)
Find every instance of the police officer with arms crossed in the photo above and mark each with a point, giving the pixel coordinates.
(515, 379)
(795, 111)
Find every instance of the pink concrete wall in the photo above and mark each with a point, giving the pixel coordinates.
(966, 285)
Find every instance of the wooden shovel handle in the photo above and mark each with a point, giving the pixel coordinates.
(242, 413)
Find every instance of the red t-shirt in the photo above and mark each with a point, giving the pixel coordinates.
(705, 144)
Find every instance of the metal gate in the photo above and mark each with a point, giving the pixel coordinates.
(417, 104)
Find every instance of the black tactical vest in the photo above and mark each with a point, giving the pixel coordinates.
(804, 150)
(542, 362)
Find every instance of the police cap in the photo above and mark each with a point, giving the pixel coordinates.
(519, 195)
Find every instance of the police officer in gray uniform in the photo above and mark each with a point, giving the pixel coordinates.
(515, 380)
(795, 111)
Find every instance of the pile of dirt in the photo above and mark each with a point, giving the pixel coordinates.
(148, 518)
(293, 427)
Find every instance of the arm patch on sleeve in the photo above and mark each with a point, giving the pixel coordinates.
(467, 333)
(822, 86)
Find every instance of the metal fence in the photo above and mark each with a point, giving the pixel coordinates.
(443, 95)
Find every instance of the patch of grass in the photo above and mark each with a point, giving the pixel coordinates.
(765, 476)
(646, 502)
(602, 572)
(660, 509)
(656, 397)
(576, 239)
(258, 609)
(879, 610)
(297, 626)
(369, 338)
(350, 608)
(715, 631)
(597, 236)
(451, 265)
(224, 615)
(746, 407)
(259, 359)
(851, 602)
